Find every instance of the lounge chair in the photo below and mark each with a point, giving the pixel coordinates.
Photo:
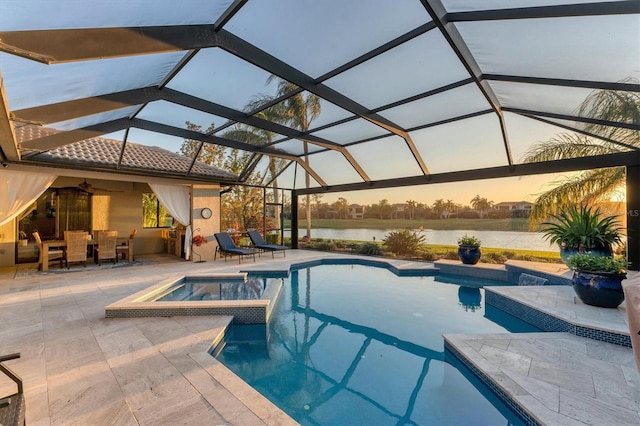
(226, 247)
(12, 407)
(259, 243)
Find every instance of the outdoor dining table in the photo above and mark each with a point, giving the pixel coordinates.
(43, 261)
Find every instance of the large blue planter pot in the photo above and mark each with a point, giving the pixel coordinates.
(599, 289)
(469, 255)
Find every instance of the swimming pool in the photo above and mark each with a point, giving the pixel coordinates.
(354, 344)
(206, 288)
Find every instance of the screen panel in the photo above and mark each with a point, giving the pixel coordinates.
(318, 36)
(468, 144)
(419, 65)
(580, 48)
(386, 158)
(450, 104)
(219, 77)
(30, 83)
(38, 14)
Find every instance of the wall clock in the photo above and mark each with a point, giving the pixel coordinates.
(205, 213)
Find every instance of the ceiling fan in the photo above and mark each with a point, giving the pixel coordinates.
(87, 187)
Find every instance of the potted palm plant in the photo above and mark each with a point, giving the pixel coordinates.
(597, 279)
(469, 250)
(580, 230)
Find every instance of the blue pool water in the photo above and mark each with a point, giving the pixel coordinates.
(211, 288)
(358, 345)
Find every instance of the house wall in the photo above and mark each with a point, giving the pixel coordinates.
(205, 196)
(122, 212)
(7, 243)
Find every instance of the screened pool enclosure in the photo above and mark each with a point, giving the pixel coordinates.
(322, 96)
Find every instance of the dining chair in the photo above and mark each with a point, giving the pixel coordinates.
(76, 247)
(107, 241)
(54, 254)
(124, 247)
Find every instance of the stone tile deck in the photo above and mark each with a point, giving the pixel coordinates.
(558, 378)
(81, 368)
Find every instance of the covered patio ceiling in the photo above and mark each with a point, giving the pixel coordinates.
(393, 93)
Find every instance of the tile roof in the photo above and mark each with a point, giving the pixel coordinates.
(106, 153)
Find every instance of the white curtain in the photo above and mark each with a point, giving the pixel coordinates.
(177, 200)
(19, 189)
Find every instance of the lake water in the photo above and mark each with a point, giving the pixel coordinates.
(494, 239)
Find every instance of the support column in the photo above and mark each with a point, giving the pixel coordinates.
(294, 219)
(633, 217)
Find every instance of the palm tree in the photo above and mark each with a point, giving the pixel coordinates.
(297, 111)
(481, 205)
(590, 186)
(412, 205)
(439, 207)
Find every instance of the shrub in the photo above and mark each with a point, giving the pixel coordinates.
(451, 255)
(272, 238)
(526, 257)
(403, 242)
(324, 245)
(494, 258)
(509, 254)
(427, 254)
(341, 244)
(469, 240)
(371, 249)
(591, 262)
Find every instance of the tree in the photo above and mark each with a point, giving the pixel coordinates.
(297, 111)
(481, 205)
(342, 207)
(317, 199)
(242, 203)
(590, 186)
(439, 208)
(412, 205)
(209, 154)
(386, 209)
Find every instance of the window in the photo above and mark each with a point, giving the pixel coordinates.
(154, 215)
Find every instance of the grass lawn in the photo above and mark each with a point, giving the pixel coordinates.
(434, 251)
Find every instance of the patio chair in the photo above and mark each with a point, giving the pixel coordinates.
(12, 407)
(106, 249)
(76, 247)
(226, 247)
(123, 248)
(54, 254)
(259, 243)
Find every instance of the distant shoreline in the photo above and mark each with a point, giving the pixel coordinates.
(516, 224)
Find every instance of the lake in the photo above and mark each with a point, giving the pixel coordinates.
(494, 239)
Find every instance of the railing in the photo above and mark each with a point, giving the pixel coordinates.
(12, 407)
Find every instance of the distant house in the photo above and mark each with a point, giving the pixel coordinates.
(514, 206)
(356, 211)
(398, 210)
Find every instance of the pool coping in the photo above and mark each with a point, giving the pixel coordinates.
(549, 321)
(511, 299)
(138, 305)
